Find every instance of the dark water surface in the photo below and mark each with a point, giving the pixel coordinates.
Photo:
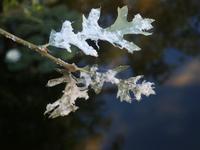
(169, 120)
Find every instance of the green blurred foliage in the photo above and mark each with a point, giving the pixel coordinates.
(9, 4)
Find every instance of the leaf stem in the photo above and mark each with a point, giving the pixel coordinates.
(42, 50)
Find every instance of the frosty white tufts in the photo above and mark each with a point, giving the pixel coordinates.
(90, 77)
(94, 79)
(91, 30)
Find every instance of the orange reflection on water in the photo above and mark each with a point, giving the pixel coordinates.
(188, 74)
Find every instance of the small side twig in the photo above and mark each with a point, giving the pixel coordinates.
(43, 51)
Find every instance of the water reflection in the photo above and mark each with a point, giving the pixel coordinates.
(170, 57)
(168, 121)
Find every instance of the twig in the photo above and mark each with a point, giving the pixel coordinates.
(42, 50)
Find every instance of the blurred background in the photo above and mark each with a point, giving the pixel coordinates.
(169, 57)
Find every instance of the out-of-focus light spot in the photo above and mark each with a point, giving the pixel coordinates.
(13, 55)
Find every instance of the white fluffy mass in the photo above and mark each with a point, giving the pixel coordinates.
(90, 76)
(95, 80)
(66, 103)
(91, 30)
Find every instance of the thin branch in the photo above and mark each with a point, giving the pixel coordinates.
(42, 50)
